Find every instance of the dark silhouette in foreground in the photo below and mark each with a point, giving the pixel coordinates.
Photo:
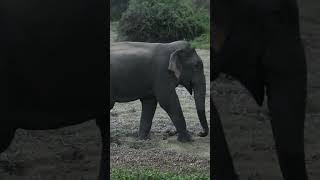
(259, 44)
(53, 67)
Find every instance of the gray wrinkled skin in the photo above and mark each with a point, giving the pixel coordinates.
(150, 72)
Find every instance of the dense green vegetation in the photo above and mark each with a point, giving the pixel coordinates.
(202, 4)
(165, 21)
(117, 7)
(201, 42)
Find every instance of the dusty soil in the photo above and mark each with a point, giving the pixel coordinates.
(248, 127)
(160, 152)
(70, 153)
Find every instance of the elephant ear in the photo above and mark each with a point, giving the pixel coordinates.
(175, 64)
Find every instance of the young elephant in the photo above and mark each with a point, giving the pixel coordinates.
(151, 72)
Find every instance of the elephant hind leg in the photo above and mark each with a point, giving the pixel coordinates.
(223, 166)
(148, 109)
(104, 162)
(286, 101)
(6, 137)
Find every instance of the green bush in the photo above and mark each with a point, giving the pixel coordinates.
(162, 21)
(201, 42)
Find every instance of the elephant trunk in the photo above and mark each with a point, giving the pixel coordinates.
(199, 88)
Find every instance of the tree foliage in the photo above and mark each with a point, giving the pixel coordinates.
(161, 21)
(117, 7)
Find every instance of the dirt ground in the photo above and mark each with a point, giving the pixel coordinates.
(160, 152)
(248, 127)
(71, 153)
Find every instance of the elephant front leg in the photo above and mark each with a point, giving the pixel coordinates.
(223, 166)
(6, 136)
(170, 103)
(148, 109)
(104, 162)
(286, 100)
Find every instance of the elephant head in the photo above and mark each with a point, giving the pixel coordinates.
(187, 67)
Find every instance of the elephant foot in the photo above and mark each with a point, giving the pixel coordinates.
(171, 132)
(204, 133)
(184, 137)
(143, 136)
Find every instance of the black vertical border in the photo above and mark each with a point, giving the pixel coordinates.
(107, 58)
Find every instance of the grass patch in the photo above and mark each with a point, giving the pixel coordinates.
(146, 174)
(201, 42)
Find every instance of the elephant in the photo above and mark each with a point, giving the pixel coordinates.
(259, 44)
(53, 67)
(150, 72)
